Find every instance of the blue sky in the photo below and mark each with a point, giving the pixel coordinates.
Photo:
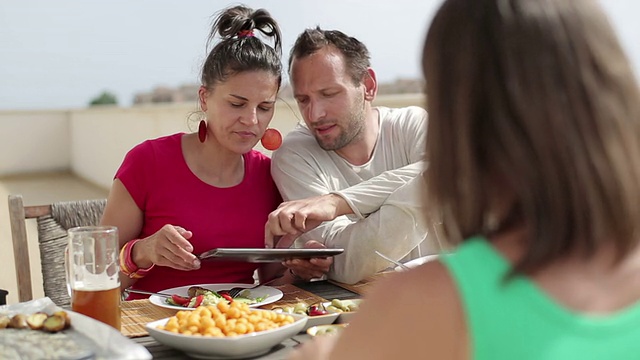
(59, 54)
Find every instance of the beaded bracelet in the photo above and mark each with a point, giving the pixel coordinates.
(127, 266)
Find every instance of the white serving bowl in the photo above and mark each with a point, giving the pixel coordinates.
(238, 347)
(326, 319)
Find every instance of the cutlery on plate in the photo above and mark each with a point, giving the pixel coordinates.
(403, 266)
(147, 292)
(235, 291)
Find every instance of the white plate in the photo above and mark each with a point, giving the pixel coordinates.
(239, 347)
(417, 262)
(272, 294)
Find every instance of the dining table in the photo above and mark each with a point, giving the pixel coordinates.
(137, 313)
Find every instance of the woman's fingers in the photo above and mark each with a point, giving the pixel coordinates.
(174, 235)
(177, 258)
(176, 249)
(184, 233)
(168, 258)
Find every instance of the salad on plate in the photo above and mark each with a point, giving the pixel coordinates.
(189, 297)
(200, 296)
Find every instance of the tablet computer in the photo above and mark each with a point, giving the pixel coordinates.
(259, 255)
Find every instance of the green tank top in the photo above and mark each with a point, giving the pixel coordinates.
(516, 320)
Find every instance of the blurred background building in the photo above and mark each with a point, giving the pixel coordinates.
(189, 92)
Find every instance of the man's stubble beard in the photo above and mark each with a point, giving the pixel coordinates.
(354, 129)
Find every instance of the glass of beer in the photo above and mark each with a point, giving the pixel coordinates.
(92, 273)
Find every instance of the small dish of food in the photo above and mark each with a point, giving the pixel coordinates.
(326, 330)
(317, 314)
(345, 308)
(323, 313)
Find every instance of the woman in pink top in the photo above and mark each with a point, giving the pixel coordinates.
(183, 194)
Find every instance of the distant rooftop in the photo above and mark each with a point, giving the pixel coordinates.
(189, 92)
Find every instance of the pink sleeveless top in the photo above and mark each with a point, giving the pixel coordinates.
(164, 188)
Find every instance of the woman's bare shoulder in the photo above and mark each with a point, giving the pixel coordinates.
(407, 314)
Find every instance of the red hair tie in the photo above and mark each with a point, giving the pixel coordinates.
(245, 33)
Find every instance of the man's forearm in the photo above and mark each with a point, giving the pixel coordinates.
(394, 230)
(362, 238)
(368, 196)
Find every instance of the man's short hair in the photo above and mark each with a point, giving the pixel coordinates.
(355, 53)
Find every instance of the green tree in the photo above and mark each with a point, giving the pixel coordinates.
(106, 98)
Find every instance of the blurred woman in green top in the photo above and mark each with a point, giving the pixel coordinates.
(534, 153)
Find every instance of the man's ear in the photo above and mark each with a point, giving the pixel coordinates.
(370, 85)
(203, 92)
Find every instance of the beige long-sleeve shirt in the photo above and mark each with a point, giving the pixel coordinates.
(385, 193)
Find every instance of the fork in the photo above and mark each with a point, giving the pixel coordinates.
(235, 291)
(145, 293)
(403, 266)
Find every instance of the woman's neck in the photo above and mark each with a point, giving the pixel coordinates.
(211, 163)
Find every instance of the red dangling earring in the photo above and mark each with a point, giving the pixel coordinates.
(271, 139)
(202, 131)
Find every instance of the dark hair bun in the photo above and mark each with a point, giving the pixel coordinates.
(241, 18)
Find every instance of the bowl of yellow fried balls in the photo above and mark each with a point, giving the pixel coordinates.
(226, 330)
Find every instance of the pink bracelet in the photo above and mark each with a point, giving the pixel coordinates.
(127, 266)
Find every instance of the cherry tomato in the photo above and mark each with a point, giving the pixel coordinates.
(316, 310)
(272, 139)
(199, 300)
(226, 296)
(180, 300)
